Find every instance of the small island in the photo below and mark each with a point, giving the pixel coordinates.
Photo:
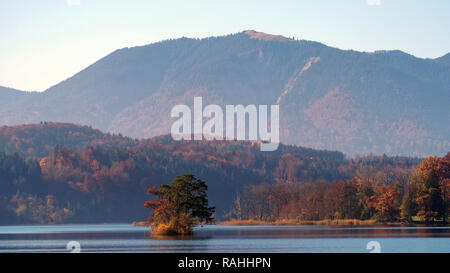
(179, 206)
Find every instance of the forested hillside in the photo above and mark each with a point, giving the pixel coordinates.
(60, 173)
(40, 139)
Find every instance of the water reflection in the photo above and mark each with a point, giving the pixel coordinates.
(127, 238)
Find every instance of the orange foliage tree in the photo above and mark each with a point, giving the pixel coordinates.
(386, 203)
(430, 179)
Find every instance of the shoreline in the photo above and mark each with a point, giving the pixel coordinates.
(328, 222)
(141, 224)
(337, 222)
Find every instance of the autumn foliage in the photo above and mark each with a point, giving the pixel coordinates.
(96, 177)
(384, 197)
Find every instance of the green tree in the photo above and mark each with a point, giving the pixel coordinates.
(409, 204)
(348, 202)
(180, 205)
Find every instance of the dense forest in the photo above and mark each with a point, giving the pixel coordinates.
(393, 196)
(64, 173)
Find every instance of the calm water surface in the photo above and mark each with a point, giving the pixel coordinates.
(127, 238)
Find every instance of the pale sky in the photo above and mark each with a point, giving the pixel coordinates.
(46, 41)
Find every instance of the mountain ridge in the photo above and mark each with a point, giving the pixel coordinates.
(357, 102)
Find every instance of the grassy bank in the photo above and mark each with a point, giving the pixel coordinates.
(328, 222)
(344, 222)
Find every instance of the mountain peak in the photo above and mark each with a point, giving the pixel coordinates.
(265, 36)
(445, 60)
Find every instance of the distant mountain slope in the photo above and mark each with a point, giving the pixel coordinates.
(444, 60)
(7, 95)
(381, 102)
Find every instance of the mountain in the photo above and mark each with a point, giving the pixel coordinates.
(356, 102)
(7, 95)
(61, 173)
(444, 60)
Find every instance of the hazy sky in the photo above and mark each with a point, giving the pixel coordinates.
(46, 41)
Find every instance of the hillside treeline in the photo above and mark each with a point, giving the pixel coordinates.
(386, 196)
(62, 173)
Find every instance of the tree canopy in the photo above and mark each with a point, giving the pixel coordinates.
(180, 205)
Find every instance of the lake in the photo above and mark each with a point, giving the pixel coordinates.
(211, 238)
